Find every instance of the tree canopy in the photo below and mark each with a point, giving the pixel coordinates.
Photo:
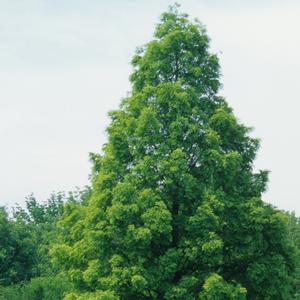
(176, 209)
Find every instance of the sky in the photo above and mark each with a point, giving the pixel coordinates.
(65, 64)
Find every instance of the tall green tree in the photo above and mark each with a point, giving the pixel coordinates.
(176, 209)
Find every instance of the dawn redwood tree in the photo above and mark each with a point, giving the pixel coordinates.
(176, 209)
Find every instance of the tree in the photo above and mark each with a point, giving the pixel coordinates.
(176, 209)
(25, 238)
(39, 220)
(294, 238)
(17, 251)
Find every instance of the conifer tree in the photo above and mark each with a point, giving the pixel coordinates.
(176, 209)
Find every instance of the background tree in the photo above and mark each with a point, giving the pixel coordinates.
(26, 272)
(17, 251)
(294, 238)
(176, 209)
(40, 219)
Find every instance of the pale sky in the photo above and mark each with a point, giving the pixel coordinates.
(65, 64)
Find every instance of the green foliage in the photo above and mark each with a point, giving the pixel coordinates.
(294, 238)
(40, 222)
(25, 268)
(17, 251)
(176, 209)
(40, 288)
(216, 288)
(99, 295)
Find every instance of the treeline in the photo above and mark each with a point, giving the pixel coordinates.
(27, 271)
(26, 237)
